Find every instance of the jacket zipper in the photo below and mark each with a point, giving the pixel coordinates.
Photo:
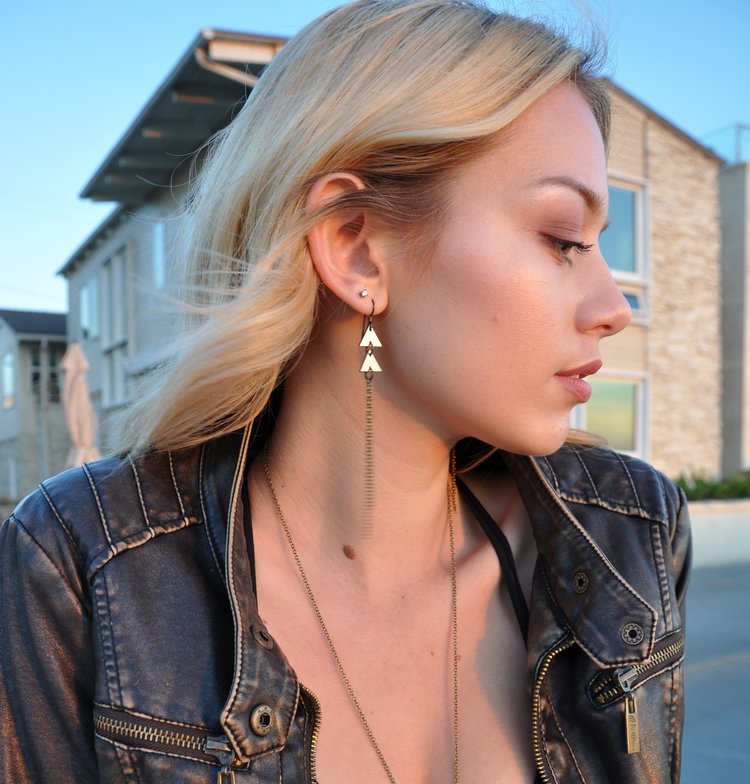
(164, 736)
(536, 709)
(315, 732)
(620, 683)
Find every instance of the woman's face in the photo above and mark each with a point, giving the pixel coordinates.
(486, 339)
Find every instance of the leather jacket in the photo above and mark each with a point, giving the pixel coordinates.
(131, 649)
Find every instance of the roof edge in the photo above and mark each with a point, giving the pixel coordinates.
(662, 120)
(109, 222)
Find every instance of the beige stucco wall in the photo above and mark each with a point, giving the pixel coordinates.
(684, 336)
(735, 264)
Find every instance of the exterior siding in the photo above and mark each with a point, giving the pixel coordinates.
(684, 340)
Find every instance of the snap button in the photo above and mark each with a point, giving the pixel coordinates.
(580, 582)
(261, 720)
(632, 633)
(262, 637)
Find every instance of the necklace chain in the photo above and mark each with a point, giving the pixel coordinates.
(344, 677)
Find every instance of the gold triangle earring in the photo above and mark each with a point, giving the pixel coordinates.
(369, 367)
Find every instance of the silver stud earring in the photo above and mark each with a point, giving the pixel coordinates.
(363, 293)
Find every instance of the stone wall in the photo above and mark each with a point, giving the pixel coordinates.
(684, 347)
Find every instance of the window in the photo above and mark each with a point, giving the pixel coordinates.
(89, 299)
(9, 379)
(619, 243)
(115, 298)
(115, 328)
(52, 355)
(616, 411)
(623, 243)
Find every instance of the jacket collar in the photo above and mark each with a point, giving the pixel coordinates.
(260, 682)
(600, 615)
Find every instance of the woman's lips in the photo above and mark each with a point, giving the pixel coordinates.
(573, 379)
(577, 386)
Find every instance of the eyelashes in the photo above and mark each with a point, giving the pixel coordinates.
(565, 247)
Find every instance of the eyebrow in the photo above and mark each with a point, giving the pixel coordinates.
(594, 201)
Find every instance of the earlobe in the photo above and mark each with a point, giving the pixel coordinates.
(343, 245)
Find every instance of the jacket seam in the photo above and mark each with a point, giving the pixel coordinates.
(661, 572)
(553, 474)
(119, 752)
(206, 524)
(238, 636)
(672, 721)
(137, 539)
(65, 528)
(176, 488)
(565, 739)
(107, 637)
(588, 474)
(140, 496)
(125, 747)
(49, 559)
(102, 517)
(632, 483)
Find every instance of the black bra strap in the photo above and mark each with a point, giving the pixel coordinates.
(504, 553)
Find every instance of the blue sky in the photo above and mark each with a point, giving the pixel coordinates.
(77, 73)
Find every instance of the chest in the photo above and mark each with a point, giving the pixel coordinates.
(399, 667)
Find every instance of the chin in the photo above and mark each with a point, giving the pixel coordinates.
(543, 441)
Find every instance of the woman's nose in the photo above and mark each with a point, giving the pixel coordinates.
(606, 310)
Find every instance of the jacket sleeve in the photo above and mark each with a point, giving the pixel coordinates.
(46, 656)
(681, 541)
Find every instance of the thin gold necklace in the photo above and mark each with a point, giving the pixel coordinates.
(452, 507)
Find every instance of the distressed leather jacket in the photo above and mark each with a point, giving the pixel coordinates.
(131, 649)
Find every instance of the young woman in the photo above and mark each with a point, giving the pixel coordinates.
(329, 554)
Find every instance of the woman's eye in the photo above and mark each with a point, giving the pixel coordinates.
(565, 247)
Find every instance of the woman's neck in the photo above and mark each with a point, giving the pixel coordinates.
(316, 458)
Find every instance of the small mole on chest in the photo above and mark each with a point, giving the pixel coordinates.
(349, 552)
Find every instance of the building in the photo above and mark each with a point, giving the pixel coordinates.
(663, 247)
(735, 283)
(33, 436)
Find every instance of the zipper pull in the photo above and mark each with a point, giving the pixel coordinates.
(226, 776)
(221, 749)
(632, 732)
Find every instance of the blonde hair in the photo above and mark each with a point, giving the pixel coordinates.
(400, 92)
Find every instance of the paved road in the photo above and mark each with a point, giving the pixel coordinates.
(716, 746)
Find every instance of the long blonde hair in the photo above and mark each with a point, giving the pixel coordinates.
(401, 92)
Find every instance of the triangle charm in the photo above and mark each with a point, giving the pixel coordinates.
(370, 338)
(370, 364)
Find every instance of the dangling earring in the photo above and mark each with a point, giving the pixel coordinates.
(369, 367)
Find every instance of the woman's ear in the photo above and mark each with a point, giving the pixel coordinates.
(344, 247)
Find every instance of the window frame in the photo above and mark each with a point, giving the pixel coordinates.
(89, 308)
(636, 284)
(641, 414)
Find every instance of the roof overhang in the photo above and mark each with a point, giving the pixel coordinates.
(200, 96)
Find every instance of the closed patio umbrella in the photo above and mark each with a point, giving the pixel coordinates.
(79, 413)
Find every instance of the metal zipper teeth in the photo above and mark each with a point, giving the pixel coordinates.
(611, 689)
(315, 732)
(537, 707)
(147, 733)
